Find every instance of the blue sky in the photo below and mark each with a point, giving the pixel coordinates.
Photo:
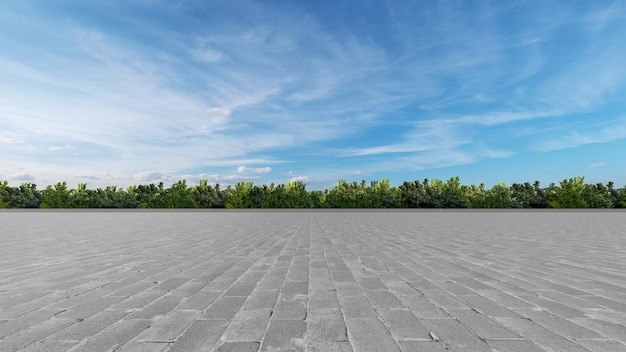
(141, 91)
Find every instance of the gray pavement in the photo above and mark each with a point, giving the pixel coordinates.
(312, 281)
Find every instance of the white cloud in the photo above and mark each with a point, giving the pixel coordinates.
(148, 176)
(22, 177)
(303, 179)
(262, 170)
(589, 135)
(55, 148)
(594, 165)
(206, 55)
(100, 176)
(256, 170)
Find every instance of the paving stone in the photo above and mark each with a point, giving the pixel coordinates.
(358, 307)
(321, 284)
(384, 300)
(285, 335)
(541, 336)
(342, 276)
(221, 283)
(169, 327)
(297, 276)
(189, 288)
(144, 347)
(370, 335)
(252, 276)
(483, 326)
(445, 300)
(606, 328)
(423, 308)
(326, 325)
(348, 289)
(34, 333)
(114, 336)
(202, 335)
(78, 300)
(89, 327)
(605, 302)
(292, 302)
(90, 308)
(404, 325)
(241, 289)
(422, 346)
(456, 335)
(132, 289)
(472, 283)
(46, 346)
(247, 346)
(270, 283)
(201, 300)
(158, 308)
(515, 345)
(569, 300)
(248, 325)
(489, 307)
(329, 346)
(262, 300)
(456, 289)
(138, 301)
(559, 325)
(507, 300)
(603, 345)
(178, 263)
(224, 308)
(323, 300)
(21, 309)
(171, 284)
(371, 284)
(26, 320)
(422, 285)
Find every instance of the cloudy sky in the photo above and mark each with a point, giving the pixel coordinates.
(141, 91)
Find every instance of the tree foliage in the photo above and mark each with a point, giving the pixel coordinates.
(435, 193)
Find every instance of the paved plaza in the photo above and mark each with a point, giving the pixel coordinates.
(275, 281)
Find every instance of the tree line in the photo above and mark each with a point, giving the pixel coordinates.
(435, 193)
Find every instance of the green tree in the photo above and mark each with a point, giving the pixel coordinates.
(621, 198)
(24, 196)
(257, 195)
(239, 197)
(413, 194)
(347, 195)
(179, 196)
(79, 197)
(207, 196)
(613, 194)
(4, 194)
(57, 197)
(380, 194)
(568, 195)
(500, 196)
(597, 196)
(476, 196)
(296, 196)
(318, 199)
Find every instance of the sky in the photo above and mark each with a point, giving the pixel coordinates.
(127, 92)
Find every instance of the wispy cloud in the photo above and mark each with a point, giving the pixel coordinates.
(148, 176)
(298, 87)
(595, 165)
(303, 179)
(256, 170)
